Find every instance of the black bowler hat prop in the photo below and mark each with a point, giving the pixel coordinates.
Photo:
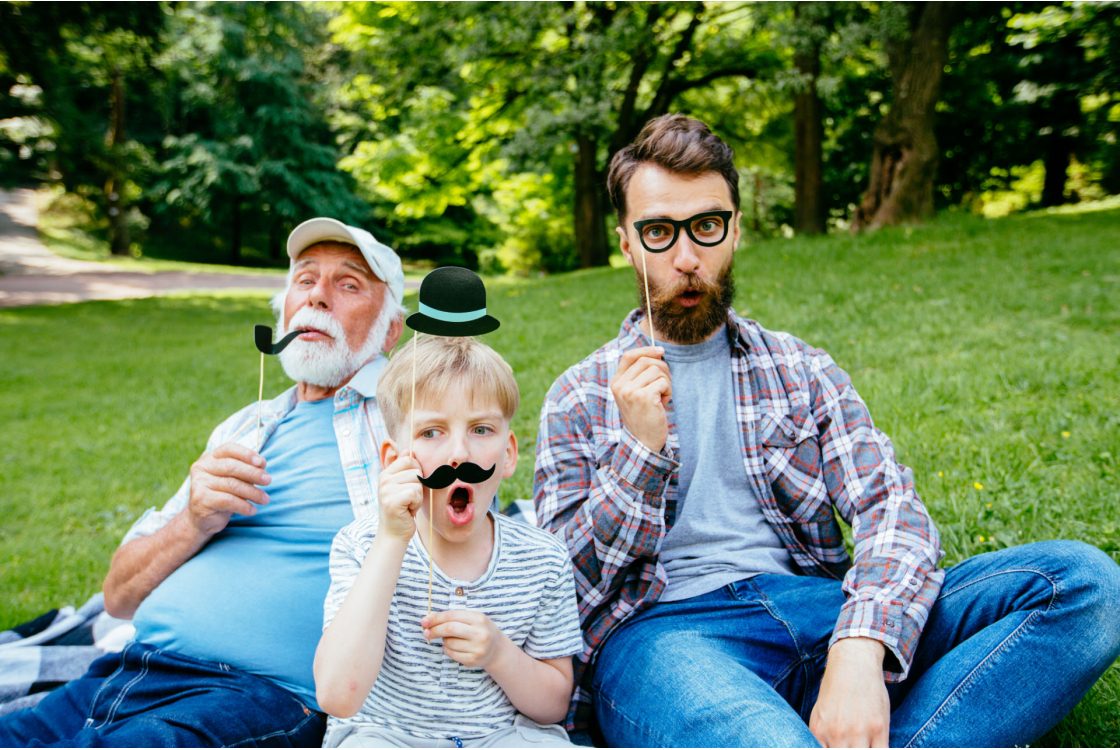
(452, 303)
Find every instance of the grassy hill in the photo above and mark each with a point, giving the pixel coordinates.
(987, 350)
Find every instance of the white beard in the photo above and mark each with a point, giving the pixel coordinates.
(329, 364)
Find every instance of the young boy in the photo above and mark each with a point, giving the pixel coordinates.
(491, 665)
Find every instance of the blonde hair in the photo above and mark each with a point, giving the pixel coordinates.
(440, 362)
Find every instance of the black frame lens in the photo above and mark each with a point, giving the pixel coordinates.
(686, 224)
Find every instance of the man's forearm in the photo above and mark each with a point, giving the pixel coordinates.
(142, 564)
(852, 708)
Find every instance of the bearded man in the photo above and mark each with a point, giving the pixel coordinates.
(225, 584)
(697, 485)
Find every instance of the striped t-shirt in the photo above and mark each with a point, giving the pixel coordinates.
(527, 591)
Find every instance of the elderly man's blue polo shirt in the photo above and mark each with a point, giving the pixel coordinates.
(252, 598)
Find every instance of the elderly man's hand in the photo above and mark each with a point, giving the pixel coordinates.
(223, 483)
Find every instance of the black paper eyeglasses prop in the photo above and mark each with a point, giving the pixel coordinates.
(452, 302)
(707, 229)
(262, 337)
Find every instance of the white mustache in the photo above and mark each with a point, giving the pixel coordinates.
(328, 363)
(307, 317)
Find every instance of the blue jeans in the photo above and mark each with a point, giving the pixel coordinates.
(145, 697)
(1015, 639)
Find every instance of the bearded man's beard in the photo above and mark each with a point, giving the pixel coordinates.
(329, 364)
(690, 325)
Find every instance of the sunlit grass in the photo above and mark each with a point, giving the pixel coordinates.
(988, 351)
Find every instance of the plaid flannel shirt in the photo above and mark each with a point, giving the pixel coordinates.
(358, 427)
(810, 452)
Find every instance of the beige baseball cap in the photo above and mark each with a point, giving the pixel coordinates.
(384, 263)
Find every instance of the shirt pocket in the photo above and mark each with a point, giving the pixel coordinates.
(792, 457)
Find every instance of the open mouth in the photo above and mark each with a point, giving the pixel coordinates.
(690, 297)
(460, 504)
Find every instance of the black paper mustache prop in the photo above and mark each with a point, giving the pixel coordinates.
(262, 336)
(446, 474)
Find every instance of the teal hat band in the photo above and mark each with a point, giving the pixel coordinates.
(452, 317)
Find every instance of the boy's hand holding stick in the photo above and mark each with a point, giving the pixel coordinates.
(469, 637)
(399, 498)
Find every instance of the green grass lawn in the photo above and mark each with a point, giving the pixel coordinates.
(988, 350)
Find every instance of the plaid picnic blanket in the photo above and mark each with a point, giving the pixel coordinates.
(54, 648)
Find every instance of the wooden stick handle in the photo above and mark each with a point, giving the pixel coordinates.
(649, 308)
(260, 403)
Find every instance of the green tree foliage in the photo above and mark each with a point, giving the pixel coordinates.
(480, 133)
(1031, 84)
(833, 52)
(508, 96)
(88, 65)
(248, 152)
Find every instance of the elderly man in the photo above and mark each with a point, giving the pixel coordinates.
(698, 483)
(225, 584)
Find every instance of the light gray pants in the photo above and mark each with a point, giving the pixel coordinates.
(522, 733)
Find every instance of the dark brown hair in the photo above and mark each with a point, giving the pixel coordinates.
(677, 143)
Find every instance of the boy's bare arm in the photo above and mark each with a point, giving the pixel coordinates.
(351, 650)
(539, 688)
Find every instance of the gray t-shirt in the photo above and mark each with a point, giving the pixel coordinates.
(720, 535)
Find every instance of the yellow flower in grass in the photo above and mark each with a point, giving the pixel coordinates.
(940, 473)
(1066, 434)
(977, 485)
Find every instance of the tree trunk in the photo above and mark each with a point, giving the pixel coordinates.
(235, 232)
(114, 184)
(904, 161)
(808, 203)
(1059, 145)
(1057, 166)
(590, 209)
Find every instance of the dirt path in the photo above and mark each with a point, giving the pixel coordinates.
(30, 274)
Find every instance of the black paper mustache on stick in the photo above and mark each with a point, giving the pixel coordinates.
(262, 336)
(446, 474)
